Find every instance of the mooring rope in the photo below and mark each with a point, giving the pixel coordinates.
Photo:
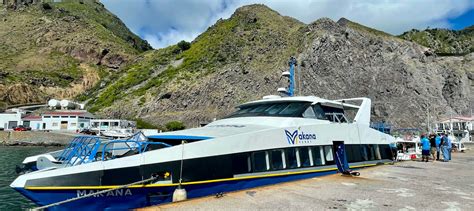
(93, 194)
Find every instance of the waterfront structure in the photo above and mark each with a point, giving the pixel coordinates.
(71, 120)
(11, 118)
(101, 125)
(461, 127)
(32, 121)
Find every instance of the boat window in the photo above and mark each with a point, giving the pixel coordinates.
(241, 163)
(303, 154)
(284, 109)
(291, 159)
(385, 151)
(370, 151)
(292, 108)
(365, 152)
(260, 108)
(274, 109)
(328, 153)
(277, 160)
(309, 113)
(318, 155)
(354, 153)
(319, 112)
(376, 151)
(260, 161)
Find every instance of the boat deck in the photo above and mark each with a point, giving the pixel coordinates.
(407, 185)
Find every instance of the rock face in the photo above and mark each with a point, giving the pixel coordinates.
(337, 60)
(403, 83)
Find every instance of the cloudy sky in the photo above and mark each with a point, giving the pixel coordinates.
(166, 22)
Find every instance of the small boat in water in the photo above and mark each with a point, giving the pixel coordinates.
(117, 133)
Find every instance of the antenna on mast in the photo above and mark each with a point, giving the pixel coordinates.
(290, 91)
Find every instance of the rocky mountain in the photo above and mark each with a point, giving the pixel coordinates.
(241, 58)
(444, 41)
(60, 49)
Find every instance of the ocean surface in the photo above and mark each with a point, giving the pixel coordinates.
(9, 158)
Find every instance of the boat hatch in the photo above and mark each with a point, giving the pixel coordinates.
(174, 140)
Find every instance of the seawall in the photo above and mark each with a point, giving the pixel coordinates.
(34, 138)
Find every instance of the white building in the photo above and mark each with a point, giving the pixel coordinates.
(11, 118)
(66, 120)
(462, 127)
(100, 125)
(32, 121)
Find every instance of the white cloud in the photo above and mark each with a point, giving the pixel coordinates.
(166, 22)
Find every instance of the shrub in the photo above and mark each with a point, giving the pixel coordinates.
(175, 125)
(142, 124)
(46, 6)
(183, 45)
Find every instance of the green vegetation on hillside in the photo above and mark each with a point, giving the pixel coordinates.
(444, 41)
(254, 36)
(57, 44)
(357, 26)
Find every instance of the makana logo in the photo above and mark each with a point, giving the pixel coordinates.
(297, 137)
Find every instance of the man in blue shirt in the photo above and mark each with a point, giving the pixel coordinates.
(425, 148)
(438, 148)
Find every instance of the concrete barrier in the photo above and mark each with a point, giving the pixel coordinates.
(34, 138)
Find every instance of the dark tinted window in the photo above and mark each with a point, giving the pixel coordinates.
(364, 152)
(304, 157)
(354, 153)
(240, 163)
(283, 109)
(319, 112)
(291, 158)
(259, 161)
(317, 157)
(385, 151)
(277, 159)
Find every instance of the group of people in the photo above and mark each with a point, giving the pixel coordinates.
(434, 145)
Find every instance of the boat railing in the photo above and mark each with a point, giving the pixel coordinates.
(122, 148)
(82, 149)
(337, 117)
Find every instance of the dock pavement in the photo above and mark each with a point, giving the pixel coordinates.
(408, 185)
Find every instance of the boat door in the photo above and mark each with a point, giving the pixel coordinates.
(340, 156)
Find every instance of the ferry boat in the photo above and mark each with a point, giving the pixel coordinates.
(264, 142)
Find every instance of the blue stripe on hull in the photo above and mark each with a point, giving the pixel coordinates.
(141, 197)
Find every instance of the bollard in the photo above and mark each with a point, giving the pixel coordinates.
(179, 194)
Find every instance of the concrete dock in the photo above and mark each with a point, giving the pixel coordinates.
(409, 185)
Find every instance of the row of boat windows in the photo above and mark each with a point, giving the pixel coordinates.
(300, 157)
(288, 109)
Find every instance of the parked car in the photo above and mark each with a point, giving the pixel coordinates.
(87, 132)
(21, 128)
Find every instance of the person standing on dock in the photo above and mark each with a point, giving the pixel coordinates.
(425, 148)
(438, 146)
(450, 145)
(444, 147)
(433, 146)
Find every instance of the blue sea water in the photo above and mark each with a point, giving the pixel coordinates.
(9, 158)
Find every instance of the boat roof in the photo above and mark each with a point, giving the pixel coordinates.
(311, 99)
